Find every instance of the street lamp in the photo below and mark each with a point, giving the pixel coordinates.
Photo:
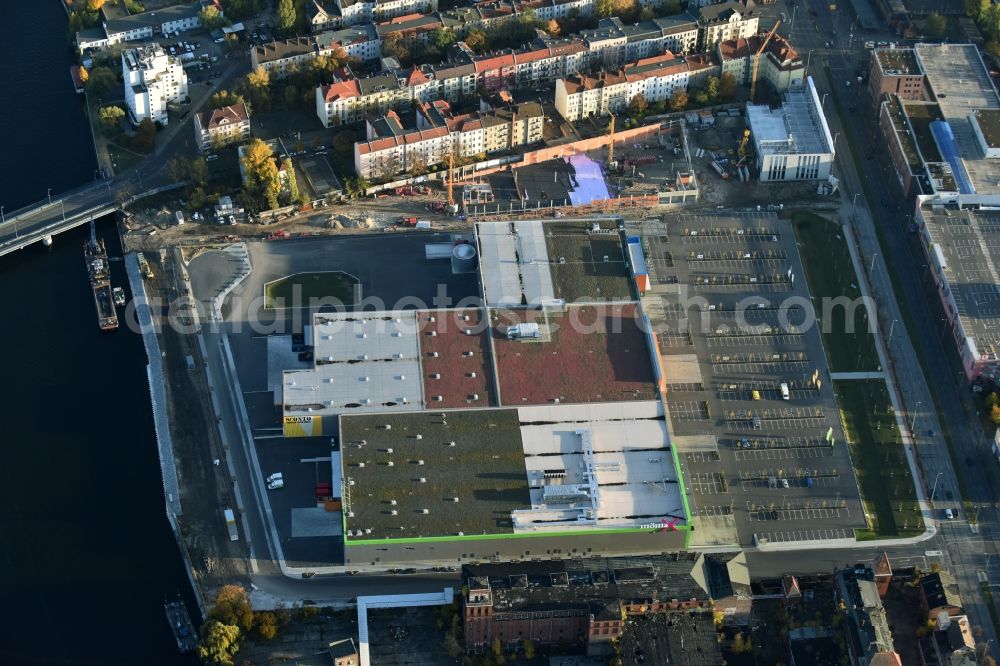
(892, 327)
(858, 194)
(49, 193)
(934, 489)
(63, 207)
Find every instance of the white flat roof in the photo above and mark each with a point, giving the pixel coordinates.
(364, 362)
(798, 127)
(630, 442)
(514, 263)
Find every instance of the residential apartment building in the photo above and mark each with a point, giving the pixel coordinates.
(655, 79)
(869, 638)
(152, 79)
(147, 25)
(780, 64)
(613, 43)
(349, 101)
(727, 20)
(950, 644)
(391, 149)
(376, 11)
(409, 28)
(225, 125)
(587, 601)
(361, 41)
(895, 72)
(323, 15)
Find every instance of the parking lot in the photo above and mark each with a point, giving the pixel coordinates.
(752, 410)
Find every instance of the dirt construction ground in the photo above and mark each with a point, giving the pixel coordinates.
(205, 487)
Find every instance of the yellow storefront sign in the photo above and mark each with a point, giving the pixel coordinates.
(302, 426)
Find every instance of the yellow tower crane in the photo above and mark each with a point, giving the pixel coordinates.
(743, 143)
(451, 178)
(756, 60)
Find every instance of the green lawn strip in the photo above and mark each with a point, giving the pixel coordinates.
(122, 158)
(887, 489)
(830, 274)
(322, 285)
(901, 300)
(990, 606)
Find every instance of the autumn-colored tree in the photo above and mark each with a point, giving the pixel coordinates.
(84, 75)
(232, 604)
(266, 625)
(145, 137)
(211, 19)
(111, 118)
(219, 642)
(477, 41)
(286, 15)
(552, 27)
(936, 25)
(727, 85)
(638, 106)
(679, 101)
(263, 185)
(95, 5)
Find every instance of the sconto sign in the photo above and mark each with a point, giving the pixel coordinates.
(302, 426)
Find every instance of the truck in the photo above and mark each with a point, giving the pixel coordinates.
(231, 525)
(719, 170)
(408, 221)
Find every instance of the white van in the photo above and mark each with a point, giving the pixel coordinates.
(276, 484)
(274, 477)
(785, 395)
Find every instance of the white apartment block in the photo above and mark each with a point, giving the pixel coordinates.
(656, 79)
(369, 11)
(728, 20)
(349, 101)
(390, 150)
(153, 79)
(779, 65)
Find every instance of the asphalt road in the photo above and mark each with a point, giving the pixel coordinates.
(968, 554)
(175, 139)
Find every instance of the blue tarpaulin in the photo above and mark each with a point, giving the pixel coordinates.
(946, 144)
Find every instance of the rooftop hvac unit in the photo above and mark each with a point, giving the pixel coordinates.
(418, 436)
(350, 514)
(468, 331)
(366, 401)
(404, 400)
(397, 334)
(387, 426)
(366, 378)
(465, 317)
(328, 380)
(450, 443)
(388, 450)
(363, 335)
(472, 374)
(401, 377)
(422, 480)
(454, 499)
(473, 396)
(398, 320)
(361, 464)
(432, 319)
(468, 354)
(432, 354)
(393, 512)
(433, 334)
(390, 464)
(392, 502)
(425, 511)
(435, 375)
(437, 398)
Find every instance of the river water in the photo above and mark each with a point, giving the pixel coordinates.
(86, 553)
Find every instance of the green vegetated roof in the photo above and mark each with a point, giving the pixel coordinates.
(484, 469)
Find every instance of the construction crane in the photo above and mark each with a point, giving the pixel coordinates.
(611, 146)
(451, 178)
(743, 144)
(756, 59)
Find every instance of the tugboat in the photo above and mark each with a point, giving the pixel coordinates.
(99, 273)
(180, 624)
(119, 296)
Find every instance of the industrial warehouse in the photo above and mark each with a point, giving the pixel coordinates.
(509, 428)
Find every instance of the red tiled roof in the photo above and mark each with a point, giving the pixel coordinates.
(489, 63)
(226, 115)
(341, 90)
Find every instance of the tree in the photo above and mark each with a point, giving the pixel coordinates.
(637, 106)
(111, 118)
(232, 605)
(259, 78)
(100, 81)
(291, 96)
(477, 41)
(198, 171)
(258, 88)
(605, 8)
(936, 25)
(393, 46)
(727, 86)
(529, 649)
(262, 184)
(670, 7)
(225, 98)
(976, 8)
(84, 75)
(712, 89)
(178, 169)
(679, 101)
(134, 7)
(94, 5)
(211, 19)
(286, 16)
(145, 137)
(240, 9)
(552, 27)
(440, 39)
(497, 648)
(995, 414)
(418, 165)
(266, 625)
(646, 14)
(291, 180)
(219, 642)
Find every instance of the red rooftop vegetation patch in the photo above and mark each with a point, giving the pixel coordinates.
(586, 354)
(456, 364)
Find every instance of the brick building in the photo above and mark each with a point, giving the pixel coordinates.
(896, 72)
(588, 601)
